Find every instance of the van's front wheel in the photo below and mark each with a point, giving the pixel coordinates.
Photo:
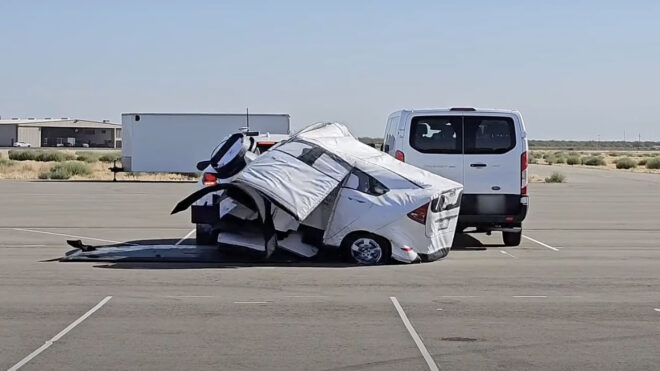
(511, 238)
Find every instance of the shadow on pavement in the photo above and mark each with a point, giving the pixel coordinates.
(465, 242)
(176, 254)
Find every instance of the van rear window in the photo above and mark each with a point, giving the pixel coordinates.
(487, 134)
(437, 134)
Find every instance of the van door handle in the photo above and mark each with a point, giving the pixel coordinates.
(478, 165)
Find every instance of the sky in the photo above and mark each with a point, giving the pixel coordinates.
(574, 69)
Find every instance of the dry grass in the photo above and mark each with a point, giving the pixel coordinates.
(610, 158)
(30, 170)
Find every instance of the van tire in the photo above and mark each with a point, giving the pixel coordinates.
(366, 239)
(204, 235)
(511, 238)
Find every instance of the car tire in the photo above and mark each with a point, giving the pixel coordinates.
(366, 249)
(204, 235)
(511, 238)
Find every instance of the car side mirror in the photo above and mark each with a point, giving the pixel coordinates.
(203, 165)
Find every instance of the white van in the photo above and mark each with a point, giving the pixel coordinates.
(483, 149)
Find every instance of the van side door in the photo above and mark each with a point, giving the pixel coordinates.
(436, 145)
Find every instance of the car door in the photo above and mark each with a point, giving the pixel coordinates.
(436, 145)
(491, 161)
(352, 202)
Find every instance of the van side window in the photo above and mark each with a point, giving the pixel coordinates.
(363, 182)
(489, 135)
(437, 134)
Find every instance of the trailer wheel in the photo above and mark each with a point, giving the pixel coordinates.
(204, 235)
(366, 249)
(511, 238)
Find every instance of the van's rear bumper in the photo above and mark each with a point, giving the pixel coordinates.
(509, 217)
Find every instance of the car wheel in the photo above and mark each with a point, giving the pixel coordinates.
(367, 249)
(511, 238)
(204, 235)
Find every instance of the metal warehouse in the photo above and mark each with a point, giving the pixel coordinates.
(64, 132)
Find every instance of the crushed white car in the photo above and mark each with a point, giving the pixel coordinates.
(322, 188)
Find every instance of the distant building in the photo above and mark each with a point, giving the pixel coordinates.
(63, 132)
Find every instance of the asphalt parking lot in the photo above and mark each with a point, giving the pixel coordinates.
(581, 292)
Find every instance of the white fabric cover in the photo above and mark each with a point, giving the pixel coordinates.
(295, 185)
(300, 187)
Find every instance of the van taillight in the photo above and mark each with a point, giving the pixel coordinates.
(419, 214)
(523, 173)
(400, 156)
(209, 179)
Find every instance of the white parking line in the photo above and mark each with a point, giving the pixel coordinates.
(506, 253)
(411, 330)
(185, 237)
(70, 235)
(57, 337)
(656, 309)
(541, 243)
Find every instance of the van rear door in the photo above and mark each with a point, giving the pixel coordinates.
(437, 146)
(491, 160)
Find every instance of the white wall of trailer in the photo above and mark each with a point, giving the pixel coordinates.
(161, 142)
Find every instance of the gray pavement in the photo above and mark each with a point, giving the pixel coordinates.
(585, 300)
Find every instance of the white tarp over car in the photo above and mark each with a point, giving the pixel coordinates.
(356, 197)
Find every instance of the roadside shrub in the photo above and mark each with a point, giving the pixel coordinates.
(111, 156)
(56, 156)
(573, 153)
(593, 161)
(68, 169)
(22, 155)
(556, 178)
(533, 160)
(653, 163)
(37, 155)
(642, 162)
(573, 160)
(626, 163)
(613, 154)
(550, 158)
(560, 159)
(88, 157)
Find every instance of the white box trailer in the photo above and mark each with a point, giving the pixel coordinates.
(175, 142)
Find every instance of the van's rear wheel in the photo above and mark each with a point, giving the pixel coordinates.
(204, 235)
(367, 249)
(511, 238)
